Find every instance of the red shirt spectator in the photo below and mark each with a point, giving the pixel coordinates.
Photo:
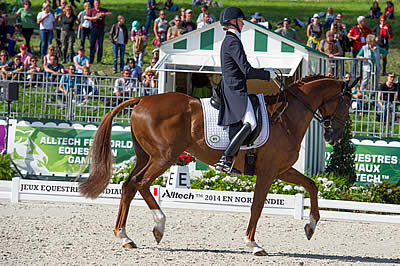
(359, 34)
(100, 22)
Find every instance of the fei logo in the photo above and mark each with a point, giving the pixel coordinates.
(215, 139)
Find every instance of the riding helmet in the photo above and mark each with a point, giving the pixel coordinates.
(229, 13)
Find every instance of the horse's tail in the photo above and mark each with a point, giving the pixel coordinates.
(100, 152)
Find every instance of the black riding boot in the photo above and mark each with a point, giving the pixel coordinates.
(225, 162)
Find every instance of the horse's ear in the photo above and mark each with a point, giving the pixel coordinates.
(354, 83)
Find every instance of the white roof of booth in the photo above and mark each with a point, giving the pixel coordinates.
(199, 50)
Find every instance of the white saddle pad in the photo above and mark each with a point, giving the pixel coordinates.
(217, 137)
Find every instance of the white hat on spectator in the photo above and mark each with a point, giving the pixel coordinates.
(316, 15)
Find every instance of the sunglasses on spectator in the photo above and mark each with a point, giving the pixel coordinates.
(33, 60)
(3, 55)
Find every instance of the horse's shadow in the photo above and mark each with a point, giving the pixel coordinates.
(341, 258)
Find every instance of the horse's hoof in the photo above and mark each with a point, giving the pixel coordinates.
(157, 235)
(260, 252)
(309, 231)
(129, 245)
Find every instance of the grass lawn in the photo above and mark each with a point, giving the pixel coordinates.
(273, 11)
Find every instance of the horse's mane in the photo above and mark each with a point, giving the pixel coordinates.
(308, 79)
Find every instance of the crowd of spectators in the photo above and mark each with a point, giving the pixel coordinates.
(325, 32)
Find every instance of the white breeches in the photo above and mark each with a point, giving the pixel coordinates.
(249, 116)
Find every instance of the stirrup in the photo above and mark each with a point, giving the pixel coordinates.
(226, 166)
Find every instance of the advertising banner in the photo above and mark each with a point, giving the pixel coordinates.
(224, 197)
(375, 161)
(61, 149)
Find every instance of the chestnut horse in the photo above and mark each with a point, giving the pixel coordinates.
(165, 125)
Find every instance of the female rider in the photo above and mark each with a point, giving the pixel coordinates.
(236, 110)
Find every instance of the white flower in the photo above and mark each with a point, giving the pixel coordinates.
(389, 191)
(287, 188)
(299, 188)
(353, 188)
(319, 179)
(324, 179)
(336, 189)
(228, 187)
(329, 183)
(206, 187)
(235, 189)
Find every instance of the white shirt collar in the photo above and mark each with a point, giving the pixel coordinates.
(235, 32)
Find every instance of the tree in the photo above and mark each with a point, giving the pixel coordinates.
(341, 162)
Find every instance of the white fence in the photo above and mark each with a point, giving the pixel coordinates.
(292, 205)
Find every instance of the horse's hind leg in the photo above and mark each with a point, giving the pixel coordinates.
(295, 177)
(155, 169)
(129, 189)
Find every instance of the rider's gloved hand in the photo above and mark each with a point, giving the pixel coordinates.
(272, 72)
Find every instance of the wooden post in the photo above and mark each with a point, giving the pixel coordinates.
(15, 189)
(298, 206)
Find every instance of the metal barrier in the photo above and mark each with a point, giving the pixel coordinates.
(339, 66)
(74, 97)
(376, 114)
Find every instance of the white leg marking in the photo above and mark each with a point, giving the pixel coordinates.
(253, 246)
(124, 237)
(159, 218)
(313, 222)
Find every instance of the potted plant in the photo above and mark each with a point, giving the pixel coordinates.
(179, 173)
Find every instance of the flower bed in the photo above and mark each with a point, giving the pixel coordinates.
(329, 186)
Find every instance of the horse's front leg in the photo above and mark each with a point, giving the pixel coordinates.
(295, 177)
(263, 184)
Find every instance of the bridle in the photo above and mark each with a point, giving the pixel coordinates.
(325, 121)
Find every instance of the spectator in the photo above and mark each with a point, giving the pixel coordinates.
(160, 29)
(374, 11)
(135, 70)
(89, 87)
(371, 55)
(139, 39)
(314, 32)
(358, 34)
(340, 34)
(53, 69)
(12, 69)
(85, 25)
(97, 16)
(26, 16)
(151, 12)
(357, 99)
(286, 30)
(188, 24)
(204, 10)
(182, 14)
(68, 85)
(57, 14)
(81, 60)
(50, 52)
(339, 16)
(386, 95)
(330, 46)
(3, 32)
(329, 18)
(177, 29)
(10, 39)
(206, 21)
(3, 59)
(259, 19)
(389, 10)
(156, 53)
(150, 76)
(33, 68)
(383, 32)
(124, 86)
(196, 2)
(170, 6)
(47, 24)
(24, 54)
(119, 38)
(68, 20)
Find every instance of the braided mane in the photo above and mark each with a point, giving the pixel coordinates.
(308, 79)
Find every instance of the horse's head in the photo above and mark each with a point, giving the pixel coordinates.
(334, 111)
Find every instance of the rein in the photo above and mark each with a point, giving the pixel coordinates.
(326, 122)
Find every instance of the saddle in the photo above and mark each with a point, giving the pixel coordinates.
(215, 102)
